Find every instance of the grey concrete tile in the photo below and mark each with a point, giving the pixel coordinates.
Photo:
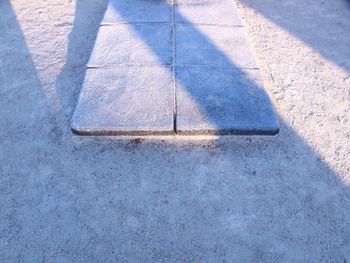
(125, 101)
(218, 12)
(138, 11)
(213, 45)
(222, 101)
(133, 44)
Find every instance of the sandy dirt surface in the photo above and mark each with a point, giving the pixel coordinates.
(238, 199)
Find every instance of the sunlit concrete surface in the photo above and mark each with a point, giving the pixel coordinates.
(216, 87)
(128, 110)
(65, 198)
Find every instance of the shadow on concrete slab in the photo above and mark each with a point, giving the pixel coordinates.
(215, 94)
(96, 200)
(87, 19)
(247, 199)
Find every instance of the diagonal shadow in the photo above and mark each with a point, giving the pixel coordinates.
(209, 90)
(81, 39)
(281, 211)
(19, 80)
(328, 35)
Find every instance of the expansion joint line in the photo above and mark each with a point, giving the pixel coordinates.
(173, 2)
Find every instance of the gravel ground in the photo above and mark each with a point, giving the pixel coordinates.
(236, 199)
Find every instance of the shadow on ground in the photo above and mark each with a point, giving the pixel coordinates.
(299, 20)
(81, 39)
(217, 91)
(96, 200)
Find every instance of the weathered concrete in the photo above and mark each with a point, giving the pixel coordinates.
(222, 101)
(216, 12)
(213, 45)
(72, 199)
(125, 100)
(125, 44)
(218, 96)
(137, 11)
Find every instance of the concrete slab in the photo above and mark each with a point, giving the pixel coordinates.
(216, 12)
(133, 44)
(129, 87)
(125, 101)
(213, 45)
(127, 11)
(222, 101)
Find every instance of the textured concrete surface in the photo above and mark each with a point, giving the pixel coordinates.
(222, 101)
(137, 41)
(125, 100)
(65, 198)
(213, 45)
(215, 12)
(138, 11)
(124, 44)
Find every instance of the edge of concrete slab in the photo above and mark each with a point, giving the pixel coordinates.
(191, 136)
(228, 132)
(106, 132)
(224, 132)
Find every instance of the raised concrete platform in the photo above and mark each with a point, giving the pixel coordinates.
(184, 67)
